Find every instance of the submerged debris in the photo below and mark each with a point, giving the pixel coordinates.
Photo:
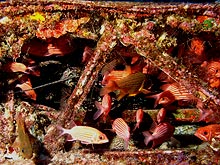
(141, 65)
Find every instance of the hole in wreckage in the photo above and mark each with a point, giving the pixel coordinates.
(132, 82)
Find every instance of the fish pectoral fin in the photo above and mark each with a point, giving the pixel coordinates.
(70, 139)
(148, 137)
(112, 130)
(145, 91)
(126, 142)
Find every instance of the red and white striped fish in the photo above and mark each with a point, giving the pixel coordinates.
(122, 130)
(26, 87)
(103, 108)
(163, 132)
(139, 118)
(172, 92)
(87, 54)
(164, 98)
(20, 67)
(179, 91)
(161, 115)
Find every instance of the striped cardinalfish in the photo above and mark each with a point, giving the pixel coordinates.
(85, 134)
(121, 128)
(163, 132)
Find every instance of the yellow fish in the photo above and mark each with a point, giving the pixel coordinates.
(23, 140)
(130, 85)
(85, 134)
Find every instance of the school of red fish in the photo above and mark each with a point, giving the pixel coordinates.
(133, 78)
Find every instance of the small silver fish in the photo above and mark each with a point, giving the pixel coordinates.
(85, 134)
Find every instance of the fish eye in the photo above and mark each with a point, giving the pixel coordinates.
(101, 137)
(205, 133)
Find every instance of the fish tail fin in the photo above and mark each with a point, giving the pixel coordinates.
(148, 137)
(99, 112)
(33, 70)
(156, 97)
(153, 126)
(62, 130)
(126, 144)
(136, 126)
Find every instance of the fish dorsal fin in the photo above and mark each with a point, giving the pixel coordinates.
(153, 126)
(165, 86)
(128, 69)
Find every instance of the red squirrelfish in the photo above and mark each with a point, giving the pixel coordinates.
(208, 132)
(20, 67)
(161, 115)
(139, 118)
(179, 91)
(103, 108)
(163, 132)
(85, 134)
(26, 87)
(122, 130)
(87, 54)
(172, 92)
(164, 98)
(53, 46)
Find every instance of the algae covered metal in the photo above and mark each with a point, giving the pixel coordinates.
(59, 59)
